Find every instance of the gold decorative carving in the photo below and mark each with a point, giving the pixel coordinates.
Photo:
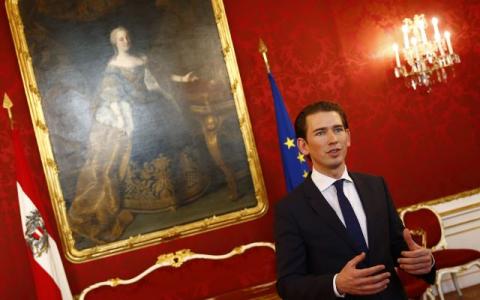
(114, 281)
(7, 104)
(442, 243)
(175, 259)
(208, 221)
(52, 166)
(40, 125)
(262, 48)
(234, 86)
(34, 89)
(133, 240)
(226, 50)
(449, 199)
(422, 234)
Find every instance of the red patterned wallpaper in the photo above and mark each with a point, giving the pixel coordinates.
(425, 144)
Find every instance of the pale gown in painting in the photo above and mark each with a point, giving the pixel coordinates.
(138, 132)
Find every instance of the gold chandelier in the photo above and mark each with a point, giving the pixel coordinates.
(423, 61)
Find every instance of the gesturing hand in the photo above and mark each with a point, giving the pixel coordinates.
(417, 260)
(367, 281)
(189, 77)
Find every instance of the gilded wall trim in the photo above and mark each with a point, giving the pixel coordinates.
(447, 199)
(175, 259)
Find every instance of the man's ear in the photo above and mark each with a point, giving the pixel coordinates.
(303, 146)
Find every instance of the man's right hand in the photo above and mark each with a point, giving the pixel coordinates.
(367, 281)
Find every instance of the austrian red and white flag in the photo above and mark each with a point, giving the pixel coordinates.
(47, 268)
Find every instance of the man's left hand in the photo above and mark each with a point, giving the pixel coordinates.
(417, 260)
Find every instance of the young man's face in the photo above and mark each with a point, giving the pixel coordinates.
(326, 141)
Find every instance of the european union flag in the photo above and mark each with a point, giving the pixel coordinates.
(295, 167)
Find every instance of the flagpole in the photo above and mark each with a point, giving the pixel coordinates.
(7, 104)
(295, 167)
(262, 48)
(48, 273)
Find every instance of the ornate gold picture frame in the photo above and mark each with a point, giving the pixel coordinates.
(140, 118)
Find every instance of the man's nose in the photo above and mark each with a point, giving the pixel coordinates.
(332, 137)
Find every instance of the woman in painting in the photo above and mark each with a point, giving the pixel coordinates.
(137, 133)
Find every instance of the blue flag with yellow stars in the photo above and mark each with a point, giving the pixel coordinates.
(295, 167)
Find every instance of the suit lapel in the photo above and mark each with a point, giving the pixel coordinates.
(325, 211)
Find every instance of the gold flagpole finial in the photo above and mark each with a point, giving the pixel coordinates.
(262, 48)
(7, 104)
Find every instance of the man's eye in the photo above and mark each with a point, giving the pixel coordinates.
(338, 129)
(320, 133)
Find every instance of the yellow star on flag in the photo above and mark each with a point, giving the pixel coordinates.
(289, 143)
(301, 157)
(305, 174)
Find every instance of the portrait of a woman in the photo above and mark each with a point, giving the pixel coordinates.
(136, 136)
(144, 132)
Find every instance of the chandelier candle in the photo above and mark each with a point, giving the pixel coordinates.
(423, 61)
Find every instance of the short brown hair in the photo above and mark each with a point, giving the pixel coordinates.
(326, 106)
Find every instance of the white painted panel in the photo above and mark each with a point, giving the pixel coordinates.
(462, 230)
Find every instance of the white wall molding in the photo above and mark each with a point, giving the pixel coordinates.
(461, 220)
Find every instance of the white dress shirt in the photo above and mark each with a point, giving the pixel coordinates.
(325, 185)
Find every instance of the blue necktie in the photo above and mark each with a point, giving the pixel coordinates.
(353, 227)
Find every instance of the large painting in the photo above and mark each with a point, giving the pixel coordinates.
(140, 118)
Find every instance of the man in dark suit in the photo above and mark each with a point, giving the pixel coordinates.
(338, 234)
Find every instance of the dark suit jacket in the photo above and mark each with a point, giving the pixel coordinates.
(312, 244)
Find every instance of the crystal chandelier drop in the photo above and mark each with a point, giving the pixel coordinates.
(423, 61)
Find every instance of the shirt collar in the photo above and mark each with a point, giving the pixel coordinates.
(323, 181)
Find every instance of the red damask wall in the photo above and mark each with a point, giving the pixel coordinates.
(425, 144)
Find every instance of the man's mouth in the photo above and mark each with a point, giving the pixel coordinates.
(334, 151)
